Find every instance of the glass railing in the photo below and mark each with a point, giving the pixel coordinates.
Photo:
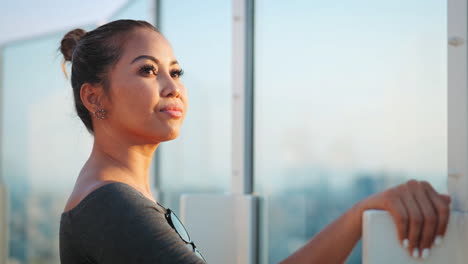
(44, 143)
(350, 98)
(199, 160)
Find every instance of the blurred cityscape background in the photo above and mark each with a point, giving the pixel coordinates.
(350, 99)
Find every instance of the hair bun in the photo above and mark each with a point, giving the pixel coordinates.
(70, 41)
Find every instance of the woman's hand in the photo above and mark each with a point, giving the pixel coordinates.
(420, 214)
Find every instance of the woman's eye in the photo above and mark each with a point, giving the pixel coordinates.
(177, 73)
(148, 70)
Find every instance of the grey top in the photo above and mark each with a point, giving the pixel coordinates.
(116, 224)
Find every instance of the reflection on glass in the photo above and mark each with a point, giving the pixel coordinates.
(199, 159)
(350, 99)
(44, 143)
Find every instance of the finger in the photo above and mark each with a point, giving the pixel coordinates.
(415, 219)
(400, 217)
(442, 206)
(430, 217)
(446, 198)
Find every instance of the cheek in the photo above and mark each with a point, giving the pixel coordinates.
(145, 96)
(138, 99)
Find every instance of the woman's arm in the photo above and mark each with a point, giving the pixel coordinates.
(419, 212)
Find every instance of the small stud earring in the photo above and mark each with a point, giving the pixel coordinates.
(100, 114)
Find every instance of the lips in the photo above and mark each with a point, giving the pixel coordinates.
(173, 110)
(172, 107)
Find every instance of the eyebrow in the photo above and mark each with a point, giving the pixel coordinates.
(148, 57)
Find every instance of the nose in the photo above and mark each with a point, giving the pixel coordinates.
(170, 88)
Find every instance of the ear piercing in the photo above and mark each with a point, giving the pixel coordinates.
(100, 114)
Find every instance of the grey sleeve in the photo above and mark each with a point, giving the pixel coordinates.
(127, 228)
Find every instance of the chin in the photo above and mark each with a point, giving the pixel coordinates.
(161, 133)
(170, 136)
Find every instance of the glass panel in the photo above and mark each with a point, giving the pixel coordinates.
(44, 145)
(199, 159)
(350, 99)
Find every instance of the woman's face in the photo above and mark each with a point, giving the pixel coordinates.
(147, 101)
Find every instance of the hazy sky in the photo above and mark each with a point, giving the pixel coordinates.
(26, 18)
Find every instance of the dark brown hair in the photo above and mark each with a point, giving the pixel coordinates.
(92, 54)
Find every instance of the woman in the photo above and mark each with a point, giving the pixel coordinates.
(128, 93)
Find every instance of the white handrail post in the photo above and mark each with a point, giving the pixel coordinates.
(457, 133)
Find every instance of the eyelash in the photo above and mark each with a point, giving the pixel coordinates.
(148, 67)
(178, 72)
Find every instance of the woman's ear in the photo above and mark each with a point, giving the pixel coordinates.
(91, 95)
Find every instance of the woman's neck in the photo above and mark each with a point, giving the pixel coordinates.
(115, 159)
